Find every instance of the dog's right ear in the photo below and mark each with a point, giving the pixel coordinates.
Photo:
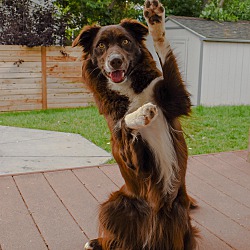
(86, 38)
(138, 30)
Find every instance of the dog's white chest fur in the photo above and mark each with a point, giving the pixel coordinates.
(147, 119)
(157, 134)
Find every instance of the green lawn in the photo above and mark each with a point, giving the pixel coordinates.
(208, 130)
(217, 129)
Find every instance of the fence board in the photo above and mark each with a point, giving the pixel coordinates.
(19, 53)
(22, 86)
(62, 74)
(35, 78)
(68, 105)
(20, 91)
(18, 47)
(19, 75)
(23, 107)
(20, 65)
(65, 80)
(15, 70)
(44, 78)
(60, 58)
(58, 48)
(8, 99)
(20, 105)
(61, 68)
(64, 100)
(56, 85)
(15, 59)
(57, 91)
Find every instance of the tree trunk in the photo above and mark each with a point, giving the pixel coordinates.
(221, 3)
(205, 2)
(112, 4)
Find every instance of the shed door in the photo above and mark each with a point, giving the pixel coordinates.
(179, 47)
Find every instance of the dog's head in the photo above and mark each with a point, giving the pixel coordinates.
(114, 49)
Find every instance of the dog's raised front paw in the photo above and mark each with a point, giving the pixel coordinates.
(142, 117)
(154, 12)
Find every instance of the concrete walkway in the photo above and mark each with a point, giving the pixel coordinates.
(28, 150)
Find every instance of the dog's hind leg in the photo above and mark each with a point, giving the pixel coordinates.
(124, 222)
(154, 14)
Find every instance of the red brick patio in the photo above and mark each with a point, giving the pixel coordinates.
(57, 210)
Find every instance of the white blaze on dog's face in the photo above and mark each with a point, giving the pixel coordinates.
(114, 49)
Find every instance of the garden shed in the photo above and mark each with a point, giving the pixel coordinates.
(214, 59)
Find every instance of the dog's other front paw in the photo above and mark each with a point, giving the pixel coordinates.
(154, 12)
(93, 245)
(142, 117)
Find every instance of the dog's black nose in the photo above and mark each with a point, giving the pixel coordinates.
(116, 63)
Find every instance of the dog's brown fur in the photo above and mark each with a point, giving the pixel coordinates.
(144, 213)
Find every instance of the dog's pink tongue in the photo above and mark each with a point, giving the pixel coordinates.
(117, 76)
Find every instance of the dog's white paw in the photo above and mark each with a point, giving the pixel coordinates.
(93, 245)
(142, 117)
(154, 12)
(88, 246)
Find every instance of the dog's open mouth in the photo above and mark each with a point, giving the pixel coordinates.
(117, 76)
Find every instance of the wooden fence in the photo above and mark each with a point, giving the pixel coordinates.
(41, 78)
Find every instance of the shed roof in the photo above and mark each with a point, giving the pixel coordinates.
(213, 30)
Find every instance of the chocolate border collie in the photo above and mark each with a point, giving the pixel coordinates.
(141, 105)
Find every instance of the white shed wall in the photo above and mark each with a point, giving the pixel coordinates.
(186, 47)
(225, 74)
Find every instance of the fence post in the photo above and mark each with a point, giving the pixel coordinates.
(44, 78)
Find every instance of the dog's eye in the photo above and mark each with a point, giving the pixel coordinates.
(125, 42)
(101, 46)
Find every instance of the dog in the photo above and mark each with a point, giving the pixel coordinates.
(141, 105)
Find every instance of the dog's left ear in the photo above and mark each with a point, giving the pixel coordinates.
(137, 29)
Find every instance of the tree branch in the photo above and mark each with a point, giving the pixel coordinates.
(112, 4)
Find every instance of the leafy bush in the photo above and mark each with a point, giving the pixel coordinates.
(183, 8)
(241, 9)
(24, 23)
(105, 12)
(233, 10)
